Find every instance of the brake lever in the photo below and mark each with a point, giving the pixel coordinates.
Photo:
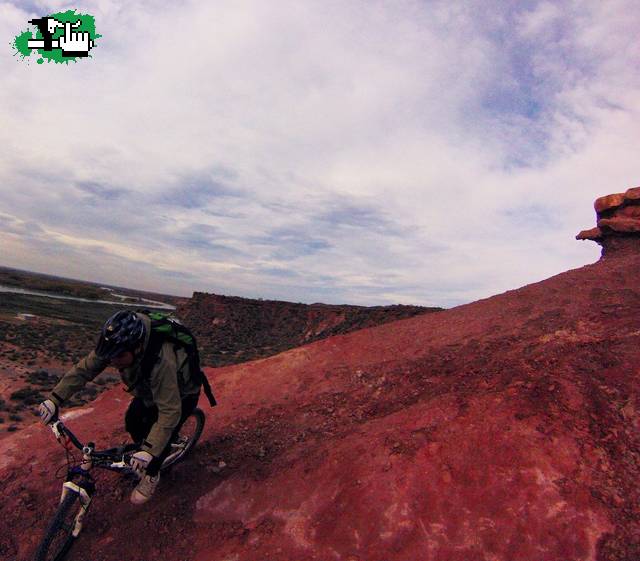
(58, 430)
(61, 436)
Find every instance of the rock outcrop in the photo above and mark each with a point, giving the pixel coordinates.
(618, 222)
(231, 329)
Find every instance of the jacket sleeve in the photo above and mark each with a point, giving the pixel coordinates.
(84, 371)
(166, 396)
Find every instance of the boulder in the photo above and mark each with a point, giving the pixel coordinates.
(632, 194)
(593, 234)
(629, 211)
(617, 223)
(608, 202)
(620, 224)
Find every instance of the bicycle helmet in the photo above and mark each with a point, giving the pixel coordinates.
(122, 332)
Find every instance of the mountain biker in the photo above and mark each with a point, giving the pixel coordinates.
(162, 399)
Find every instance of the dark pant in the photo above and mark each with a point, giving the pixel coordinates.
(139, 419)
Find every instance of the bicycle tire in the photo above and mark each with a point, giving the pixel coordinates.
(200, 420)
(65, 509)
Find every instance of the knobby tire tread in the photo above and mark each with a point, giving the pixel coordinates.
(70, 501)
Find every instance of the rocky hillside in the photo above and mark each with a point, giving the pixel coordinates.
(231, 329)
(506, 429)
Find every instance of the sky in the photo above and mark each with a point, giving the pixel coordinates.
(363, 152)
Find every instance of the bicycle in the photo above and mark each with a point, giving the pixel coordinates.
(80, 486)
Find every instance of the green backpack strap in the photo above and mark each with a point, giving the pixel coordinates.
(164, 329)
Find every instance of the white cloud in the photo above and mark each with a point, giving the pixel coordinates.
(539, 21)
(482, 135)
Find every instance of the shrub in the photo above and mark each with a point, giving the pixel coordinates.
(29, 395)
(42, 378)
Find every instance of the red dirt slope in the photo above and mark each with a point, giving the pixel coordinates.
(502, 430)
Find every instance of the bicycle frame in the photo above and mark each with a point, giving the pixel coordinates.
(80, 485)
(79, 479)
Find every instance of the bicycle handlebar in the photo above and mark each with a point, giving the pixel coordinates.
(59, 429)
(113, 459)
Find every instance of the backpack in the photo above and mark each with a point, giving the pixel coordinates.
(165, 328)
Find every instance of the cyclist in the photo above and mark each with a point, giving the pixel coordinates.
(163, 398)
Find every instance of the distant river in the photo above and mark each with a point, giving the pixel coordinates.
(141, 302)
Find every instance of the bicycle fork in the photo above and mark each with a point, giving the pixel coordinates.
(84, 489)
(85, 501)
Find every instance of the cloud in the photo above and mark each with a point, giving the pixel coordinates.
(364, 152)
(289, 243)
(101, 192)
(196, 192)
(17, 227)
(359, 215)
(199, 240)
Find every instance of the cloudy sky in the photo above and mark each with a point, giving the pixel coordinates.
(341, 151)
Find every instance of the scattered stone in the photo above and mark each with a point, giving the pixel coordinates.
(217, 468)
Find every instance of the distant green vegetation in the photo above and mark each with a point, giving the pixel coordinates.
(62, 329)
(44, 283)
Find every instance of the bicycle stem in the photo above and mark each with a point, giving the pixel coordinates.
(87, 459)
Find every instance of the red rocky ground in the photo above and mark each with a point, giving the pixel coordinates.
(502, 430)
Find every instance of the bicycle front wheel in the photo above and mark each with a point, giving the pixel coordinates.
(59, 537)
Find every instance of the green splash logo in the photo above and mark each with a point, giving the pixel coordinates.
(60, 37)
